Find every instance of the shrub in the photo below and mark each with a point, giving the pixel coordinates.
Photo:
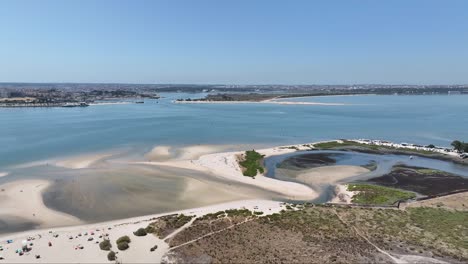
(252, 163)
(123, 239)
(149, 229)
(105, 245)
(140, 232)
(111, 256)
(122, 245)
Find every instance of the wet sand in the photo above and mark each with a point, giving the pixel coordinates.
(127, 191)
(23, 207)
(422, 180)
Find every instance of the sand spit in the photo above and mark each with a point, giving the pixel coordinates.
(23, 199)
(226, 167)
(3, 174)
(330, 174)
(67, 250)
(82, 161)
(272, 101)
(159, 153)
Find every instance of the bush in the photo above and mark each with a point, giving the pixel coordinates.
(123, 239)
(105, 245)
(252, 163)
(122, 245)
(149, 229)
(111, 256)
(140, 232)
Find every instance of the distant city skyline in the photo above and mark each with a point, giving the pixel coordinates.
(234, 42)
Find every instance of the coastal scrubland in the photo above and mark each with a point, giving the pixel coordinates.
(356, 146)
(165, 225)
(377, 195)
(317, 234)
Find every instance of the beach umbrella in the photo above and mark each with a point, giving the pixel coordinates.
(24, 242)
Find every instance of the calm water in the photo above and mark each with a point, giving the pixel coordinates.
(28, 134)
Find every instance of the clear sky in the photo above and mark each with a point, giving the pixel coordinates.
(235, 41)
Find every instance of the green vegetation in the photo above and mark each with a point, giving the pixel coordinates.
(378, 195)
(212, 216)
(123, 246)
(349, 143)
(452, 226)
(344, 143)
(111, 256)
(140, 232)
(105, 245)
(165, 225)
(238, 212)
(123, 239)
(252, 163)
(123, 243)
(337, 230)
(460, 146)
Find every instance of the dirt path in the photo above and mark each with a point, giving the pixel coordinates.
(210, 234)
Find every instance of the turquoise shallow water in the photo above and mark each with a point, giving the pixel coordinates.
(30, 134)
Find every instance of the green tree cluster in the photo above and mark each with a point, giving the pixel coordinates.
(460, 146)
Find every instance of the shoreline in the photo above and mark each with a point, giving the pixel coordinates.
(269, 101)
(219, 166)
(65, 240)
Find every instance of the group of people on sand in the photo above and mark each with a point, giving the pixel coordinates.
(27, 244)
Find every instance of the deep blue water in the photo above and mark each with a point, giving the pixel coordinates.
(30, 134)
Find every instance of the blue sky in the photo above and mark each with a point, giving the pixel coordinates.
(235, 41)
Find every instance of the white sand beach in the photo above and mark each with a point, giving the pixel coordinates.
(225, 166)
(64, 249)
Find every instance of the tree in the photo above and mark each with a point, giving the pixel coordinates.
(457, 145)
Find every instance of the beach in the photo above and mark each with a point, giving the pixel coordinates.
(66, 242)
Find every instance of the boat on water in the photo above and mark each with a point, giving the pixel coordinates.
(139, 102)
